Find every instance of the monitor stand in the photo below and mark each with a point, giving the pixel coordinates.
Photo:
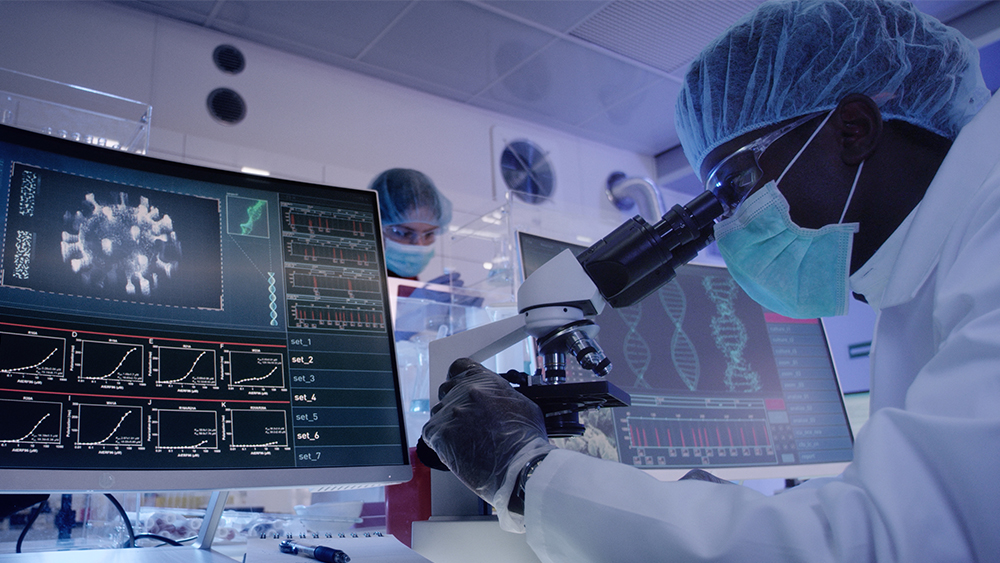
(199, 552)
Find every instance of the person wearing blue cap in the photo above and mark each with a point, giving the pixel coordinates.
(864, 143)
(413, 212)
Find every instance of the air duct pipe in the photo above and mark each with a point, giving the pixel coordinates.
(624, 192)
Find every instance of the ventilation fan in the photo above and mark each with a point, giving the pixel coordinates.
(527, 172)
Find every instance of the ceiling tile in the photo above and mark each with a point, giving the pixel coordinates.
(664, 35)
(191, 11)
(643, 122)
(343, 28)
(570, 83)
(559, 15)
(457, 45)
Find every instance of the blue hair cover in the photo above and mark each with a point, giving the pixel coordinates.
(792, 58)
(407, 196)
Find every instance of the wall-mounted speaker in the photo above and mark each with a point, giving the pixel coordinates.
(229, 59)
(226, 106)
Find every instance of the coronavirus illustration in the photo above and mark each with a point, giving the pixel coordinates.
(119, 247)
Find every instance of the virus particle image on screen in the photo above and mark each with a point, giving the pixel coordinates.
(119, 247)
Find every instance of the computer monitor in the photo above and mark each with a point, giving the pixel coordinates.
(171, 327)
(717, 382)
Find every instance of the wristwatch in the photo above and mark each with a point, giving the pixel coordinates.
(516, 504)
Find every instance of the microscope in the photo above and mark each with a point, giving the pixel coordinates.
(557, 302)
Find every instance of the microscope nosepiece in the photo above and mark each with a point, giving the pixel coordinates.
(577, 338)
(588, 353)
(595, 361)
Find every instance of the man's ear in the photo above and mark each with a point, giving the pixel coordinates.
(859, 123)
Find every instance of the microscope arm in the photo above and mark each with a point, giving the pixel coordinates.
(559, 293)
(478, 344)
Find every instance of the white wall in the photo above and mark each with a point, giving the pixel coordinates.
(305, 120)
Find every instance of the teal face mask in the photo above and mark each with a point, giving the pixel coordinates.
(793, 271)
(407, 260)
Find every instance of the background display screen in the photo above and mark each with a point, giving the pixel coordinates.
(716, 381)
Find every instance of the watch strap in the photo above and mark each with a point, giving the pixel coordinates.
(516, 504)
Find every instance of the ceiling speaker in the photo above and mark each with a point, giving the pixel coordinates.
(226, 106)
(229, 59)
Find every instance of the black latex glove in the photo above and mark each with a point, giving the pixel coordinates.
(485, 432)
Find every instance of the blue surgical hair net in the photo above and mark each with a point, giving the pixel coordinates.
(406, 196)
(792, 58)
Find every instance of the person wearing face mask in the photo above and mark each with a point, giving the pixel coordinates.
(862, 143)
(413, 212)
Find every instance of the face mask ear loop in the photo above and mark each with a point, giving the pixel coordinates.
(811, 137)
(851, 195)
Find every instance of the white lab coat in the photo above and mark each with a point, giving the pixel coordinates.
(925, 481)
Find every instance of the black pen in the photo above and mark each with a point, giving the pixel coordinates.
(319, 553)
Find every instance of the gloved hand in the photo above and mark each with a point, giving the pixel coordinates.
(485, 432)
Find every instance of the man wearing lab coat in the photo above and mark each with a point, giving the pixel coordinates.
(881, 180)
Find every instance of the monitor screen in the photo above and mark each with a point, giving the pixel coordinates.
(171, 327)
(717, 382)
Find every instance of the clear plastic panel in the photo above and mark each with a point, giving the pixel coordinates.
(424, 312)
(73, 112)
(485, 250)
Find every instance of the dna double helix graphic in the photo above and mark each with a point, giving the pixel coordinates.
(682, 350)
(730, 334)
(634, 347)
(272, 299)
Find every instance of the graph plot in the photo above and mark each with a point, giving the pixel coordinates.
(334, 283)
(186, 366)
(263, 428)
(32, 355)
(111, 361)
(327, 222)
(256, 369)
(699, 441)
(109, 425)
(336, 317)
(347, 253)
(29, 422)
(186, 429)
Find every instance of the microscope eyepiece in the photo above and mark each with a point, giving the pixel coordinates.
(637, 258)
